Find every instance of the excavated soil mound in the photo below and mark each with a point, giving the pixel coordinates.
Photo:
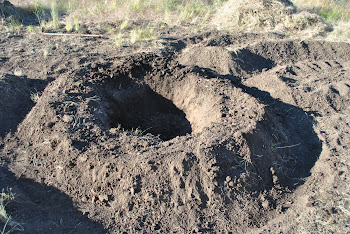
(224, 56)
(311, 75)
(144, 143)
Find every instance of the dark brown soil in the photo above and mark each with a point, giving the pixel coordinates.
(210, 133)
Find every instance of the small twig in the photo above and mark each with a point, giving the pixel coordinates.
(287, 146)
(72, 34)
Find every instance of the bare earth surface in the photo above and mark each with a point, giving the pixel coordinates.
(206, 132)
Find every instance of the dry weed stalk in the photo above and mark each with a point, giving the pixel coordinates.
(10, 225)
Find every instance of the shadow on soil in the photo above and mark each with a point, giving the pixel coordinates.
(43, 209)
(284, 143)
(298, 150)
(17, 15)
(16, 94)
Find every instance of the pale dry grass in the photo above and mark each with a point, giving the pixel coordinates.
(9, 224)
(331, 10)
(302, 20)
(251, 15)
(169, 11)
(336, 12)
(127, 20)
(278, 16)
(341, 32)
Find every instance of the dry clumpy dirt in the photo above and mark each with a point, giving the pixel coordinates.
(209, 132)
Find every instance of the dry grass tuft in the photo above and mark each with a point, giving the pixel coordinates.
(268, 15)
(141, 34)
(331, 10)
(251, 15)
(304, 25)
(9, 224)
(341, 32)
(336, 12)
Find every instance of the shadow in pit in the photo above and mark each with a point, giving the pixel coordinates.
(139, 107)
(43, 209)
(17, 96)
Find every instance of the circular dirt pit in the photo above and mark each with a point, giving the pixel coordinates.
(149, 95)
(96, 131)
(139, 109)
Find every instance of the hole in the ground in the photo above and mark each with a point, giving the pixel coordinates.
(139, 107)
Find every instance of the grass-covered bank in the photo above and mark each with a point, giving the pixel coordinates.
(305, 19)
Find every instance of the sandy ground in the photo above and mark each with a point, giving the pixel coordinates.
(205, 132)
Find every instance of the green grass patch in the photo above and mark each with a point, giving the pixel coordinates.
(141, 34)
(330, 10)
(335, 13)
